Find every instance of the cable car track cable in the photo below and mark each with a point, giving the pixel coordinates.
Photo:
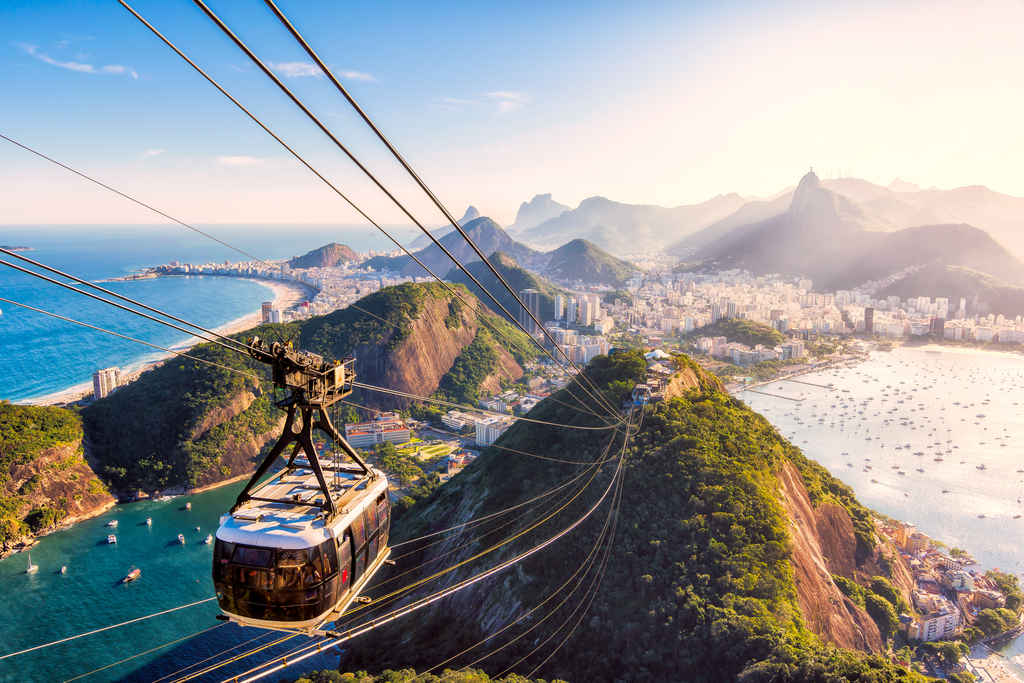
(369, 174)
(117, 305)
(401, 160)
(106, 628)
(338, 638)
(124, 336)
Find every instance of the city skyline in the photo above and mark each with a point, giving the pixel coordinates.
(548, 102)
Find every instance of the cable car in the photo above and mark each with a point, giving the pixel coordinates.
(641, 395)
(296, 549)
(287, 567)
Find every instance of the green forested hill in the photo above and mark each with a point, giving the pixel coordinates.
(187, 423)
(582, 260)
(698, 584)
(741, 330)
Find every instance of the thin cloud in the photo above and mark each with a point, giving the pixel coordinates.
(152, 152)
(456, 100)
(296, 69)
(79, 66)
(310, 70)
(508, 100)
(356, 76)
(240, 160)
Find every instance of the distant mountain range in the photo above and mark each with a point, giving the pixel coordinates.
(617, 226)
(836, 242)
(577, 260)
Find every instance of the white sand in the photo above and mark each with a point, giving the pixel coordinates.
(286, 294)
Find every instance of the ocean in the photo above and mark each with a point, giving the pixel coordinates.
(47, 606)
(940, 428)
(41, 355)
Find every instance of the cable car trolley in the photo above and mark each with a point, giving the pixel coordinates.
(295, 550)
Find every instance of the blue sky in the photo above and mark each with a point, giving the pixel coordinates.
(664, 103)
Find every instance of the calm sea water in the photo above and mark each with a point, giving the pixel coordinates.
(46, 606)
(41, 355)
(950, 420)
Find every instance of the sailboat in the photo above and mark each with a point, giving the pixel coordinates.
(32, 568)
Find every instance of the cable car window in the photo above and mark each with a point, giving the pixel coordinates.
(329, 557)
(370, 517)
(313, 571)
(345, 561)
(253, 578)
(358, 532)
(256, 557)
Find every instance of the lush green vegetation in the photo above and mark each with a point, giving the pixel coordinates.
(461, 383)
(25, 433)
(398, 463)
(698, 586)
(994, 621)
(27, 430)
(1009, 584)
(410, 675)
(742, 331)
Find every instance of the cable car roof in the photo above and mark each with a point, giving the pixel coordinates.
(296, 525)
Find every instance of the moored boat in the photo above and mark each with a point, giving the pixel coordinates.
(181, 539)
(111, 539)
(131, 576)
(31, 568)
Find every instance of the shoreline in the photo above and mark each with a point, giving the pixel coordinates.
(286, 294)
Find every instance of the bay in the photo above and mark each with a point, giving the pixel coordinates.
(950, 419)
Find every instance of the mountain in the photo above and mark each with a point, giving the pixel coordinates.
(471, 215)
(326, 256)
(515, 275)
(826, 236)
(726, 543)
(487, 235)
(186, 423)
(898, 206)
(45, 480)
(534, 212)
(583, 261)
(628, 227)
(984, 293)
(422, 240)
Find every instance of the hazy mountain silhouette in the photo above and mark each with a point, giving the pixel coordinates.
(623, 227)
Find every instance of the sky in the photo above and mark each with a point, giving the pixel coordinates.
(663, 103)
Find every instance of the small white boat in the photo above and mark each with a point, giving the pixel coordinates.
(181, 539)
(111, 539)
(209, 539)
(31, 568)
(149, 521)
(132, 575)
(188, 506)
(63, 569)
(112, 523)
(197, 528)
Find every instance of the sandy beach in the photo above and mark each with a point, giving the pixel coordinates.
(286, 294)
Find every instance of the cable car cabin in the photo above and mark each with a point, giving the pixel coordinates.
(641, 395)
(283, 566)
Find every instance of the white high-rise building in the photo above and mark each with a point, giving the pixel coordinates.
(571, 311)
(105, 381)
(559, 307)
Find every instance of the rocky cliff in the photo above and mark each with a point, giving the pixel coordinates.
(45, 481)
